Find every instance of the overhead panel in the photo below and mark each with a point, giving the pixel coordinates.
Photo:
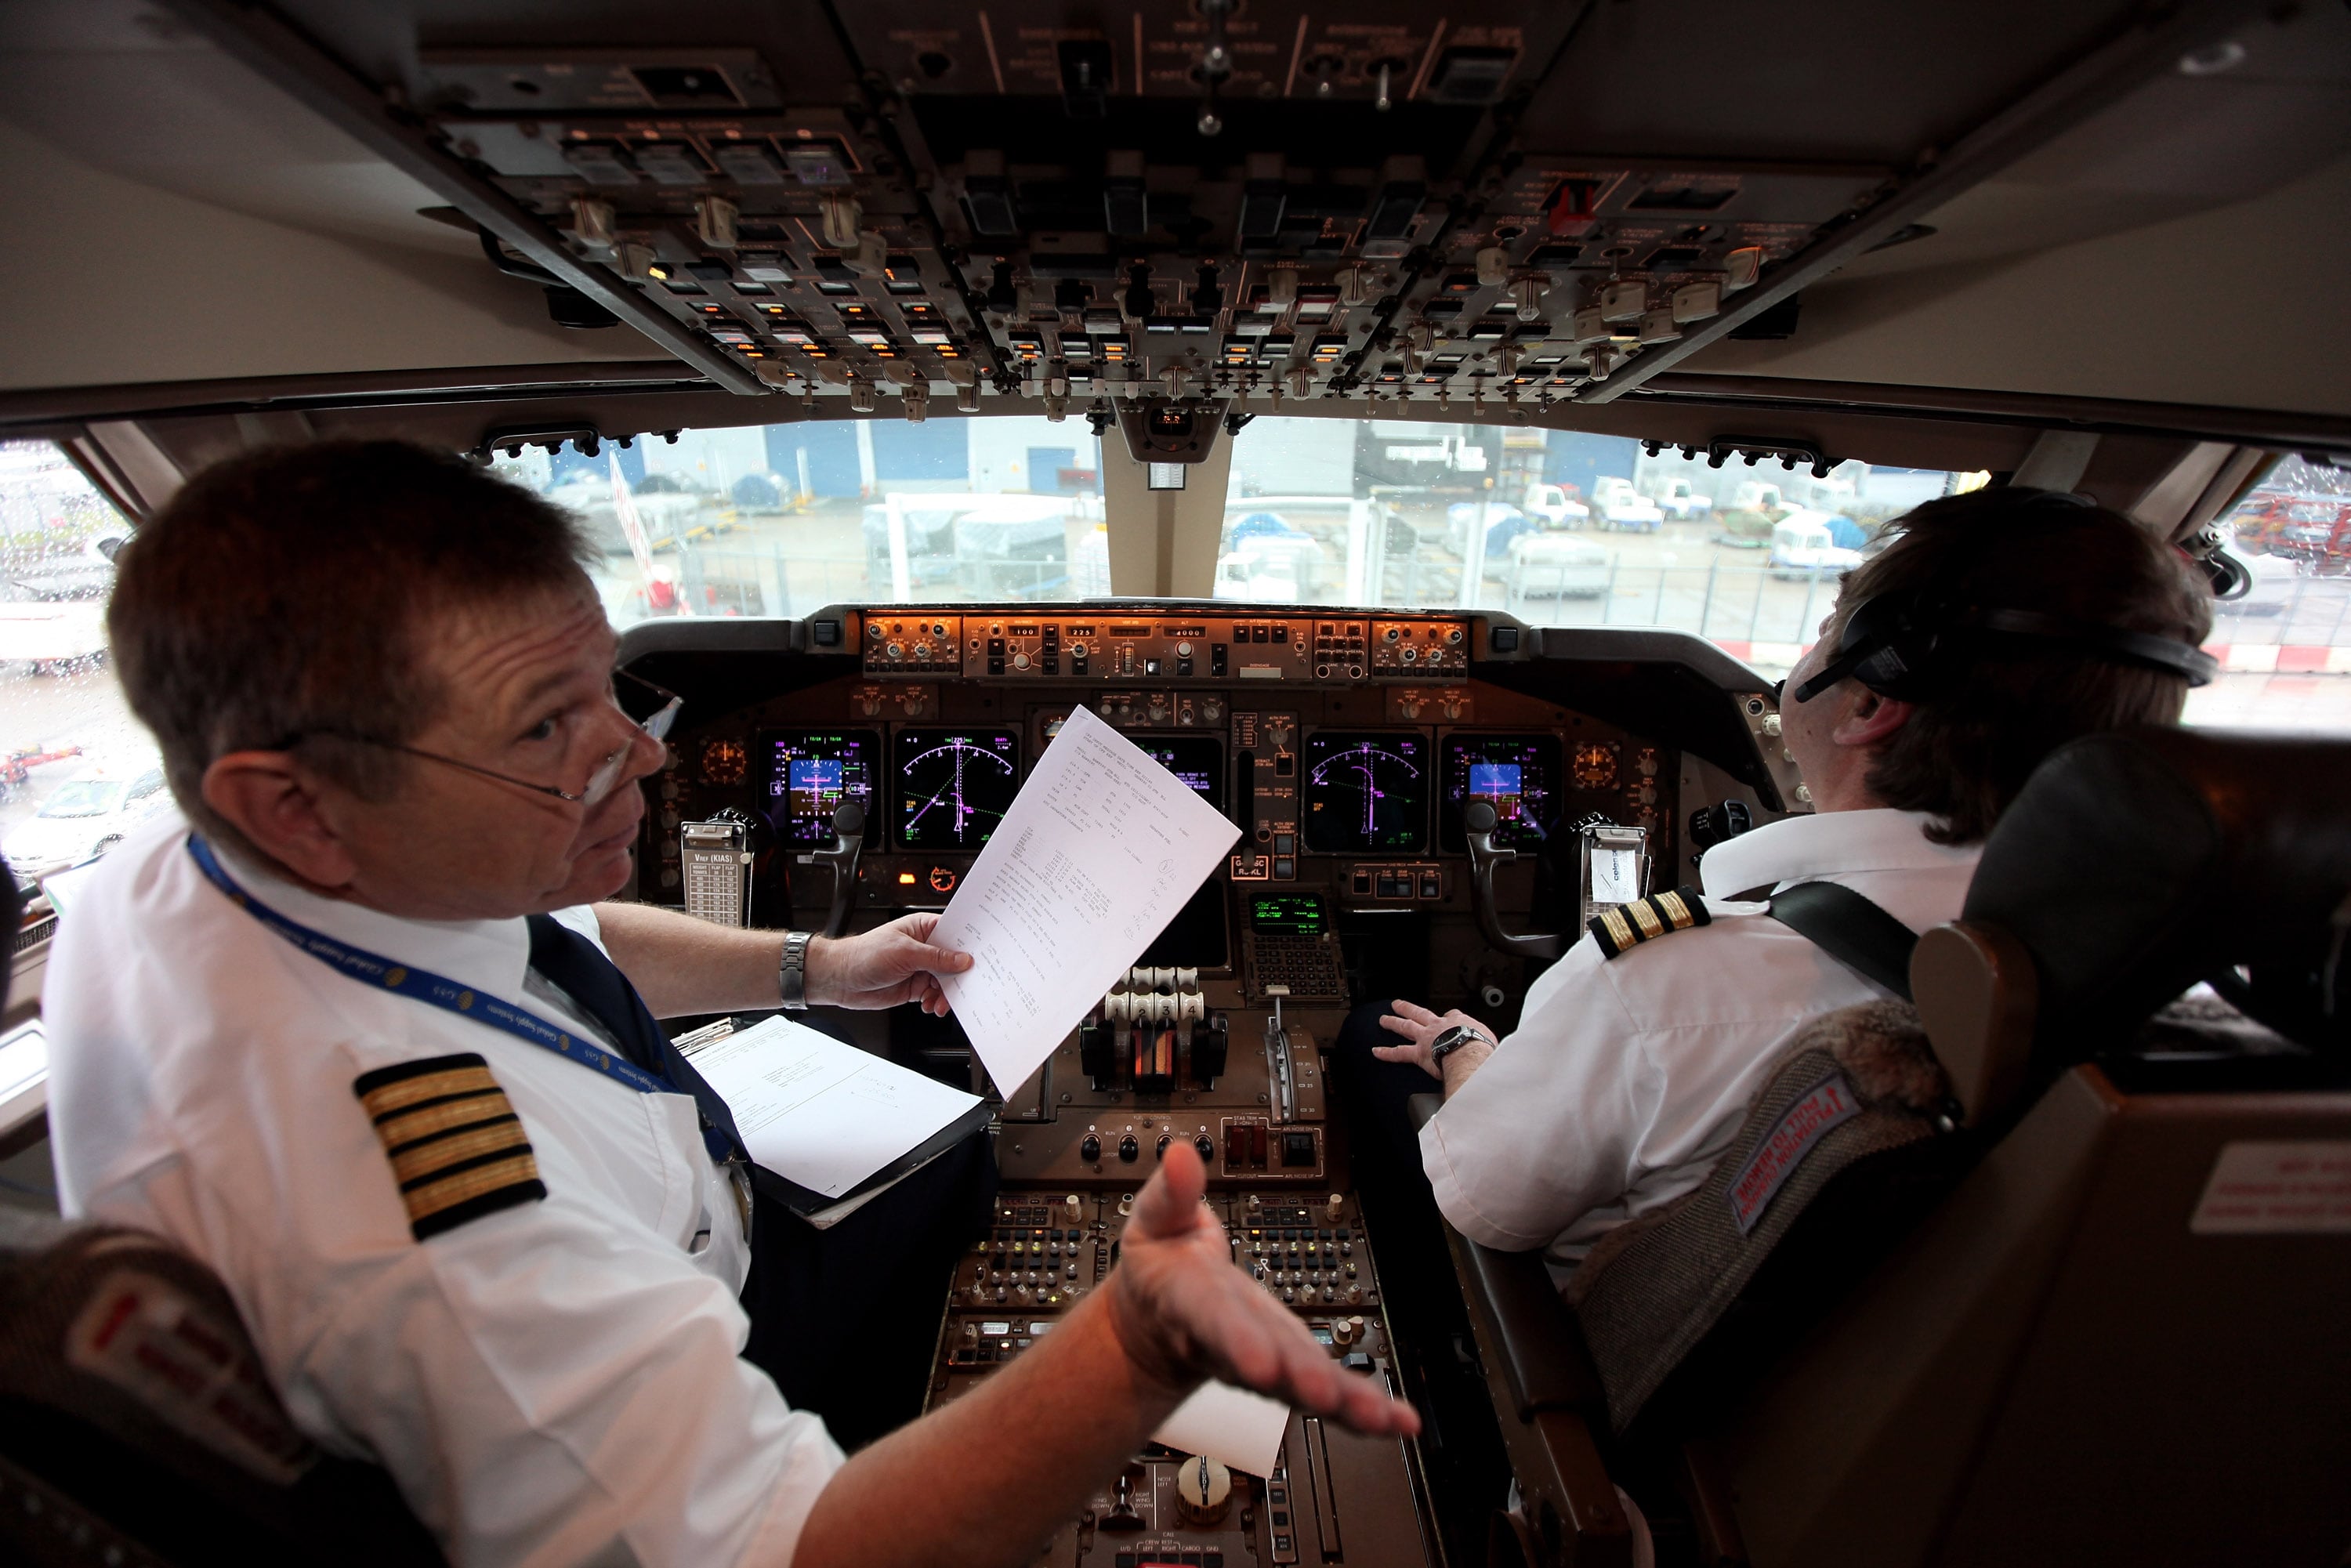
(1226, 206)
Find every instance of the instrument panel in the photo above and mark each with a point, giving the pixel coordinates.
(1346, 751)
(1352, 787)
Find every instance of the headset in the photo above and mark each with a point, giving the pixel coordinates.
(1901, 642)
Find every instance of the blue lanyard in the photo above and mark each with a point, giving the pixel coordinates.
(421, 985)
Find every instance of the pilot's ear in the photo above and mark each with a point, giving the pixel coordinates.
(1869, 718)
(272, 799)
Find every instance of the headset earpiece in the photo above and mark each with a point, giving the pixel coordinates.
(1887, 642)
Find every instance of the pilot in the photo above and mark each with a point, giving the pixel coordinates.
(2027, 618)
(357, 1033)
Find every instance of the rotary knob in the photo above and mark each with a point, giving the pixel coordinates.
(1019, 661)
(896, 651)
(1203, 1490)
(1182, 650)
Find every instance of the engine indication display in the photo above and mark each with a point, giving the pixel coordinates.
(954, 786)
(1197, 759)
(811, 773)
(1365, 791)
(1517, 775)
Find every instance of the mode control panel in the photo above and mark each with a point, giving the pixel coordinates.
(1128, 649)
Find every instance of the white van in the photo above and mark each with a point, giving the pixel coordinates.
(1801, 545)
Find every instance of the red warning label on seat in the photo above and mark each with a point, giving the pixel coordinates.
(1804, 1123)
(2262, 1189)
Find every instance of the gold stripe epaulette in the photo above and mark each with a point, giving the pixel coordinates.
(1620, 930)
(457, 1146)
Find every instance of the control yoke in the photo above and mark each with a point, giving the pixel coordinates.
(848, 842)
(1479, 822)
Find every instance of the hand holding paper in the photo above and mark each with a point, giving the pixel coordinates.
(1182, 1309)
(1101, 849)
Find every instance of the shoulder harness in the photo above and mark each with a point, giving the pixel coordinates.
(1620, 930)
(457, 1146)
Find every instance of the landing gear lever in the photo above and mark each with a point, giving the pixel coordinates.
(848, 842)
(1478, 823)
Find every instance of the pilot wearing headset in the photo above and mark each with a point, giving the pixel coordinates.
(1997, 626)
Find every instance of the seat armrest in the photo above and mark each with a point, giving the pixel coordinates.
(1521, 1320)
(1527, 1327)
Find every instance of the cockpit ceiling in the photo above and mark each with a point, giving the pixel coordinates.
(1540, 203)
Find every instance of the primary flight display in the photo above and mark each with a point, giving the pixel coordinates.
(812, 773)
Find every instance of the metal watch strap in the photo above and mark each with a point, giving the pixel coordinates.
(1453, 1039)
(791, 970)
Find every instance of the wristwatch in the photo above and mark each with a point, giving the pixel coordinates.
(1453, 1039)
(792, 971)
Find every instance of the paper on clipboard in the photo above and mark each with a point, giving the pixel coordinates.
(1101, 850)
(822, 1114)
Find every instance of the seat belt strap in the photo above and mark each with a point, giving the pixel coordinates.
(1851, 929)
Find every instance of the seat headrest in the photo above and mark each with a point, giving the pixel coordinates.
(2137, 863)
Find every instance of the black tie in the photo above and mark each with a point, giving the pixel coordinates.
(593, 981)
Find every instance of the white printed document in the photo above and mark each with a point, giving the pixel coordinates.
(1232, 1425)
(1101, 850)
(826, 1116)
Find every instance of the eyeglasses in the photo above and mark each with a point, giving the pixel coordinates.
(599, 783)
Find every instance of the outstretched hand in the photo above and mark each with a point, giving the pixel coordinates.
(1182, 1311)
(1417, 1026)
(884, 966)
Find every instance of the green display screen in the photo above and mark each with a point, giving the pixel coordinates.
(1286, 914)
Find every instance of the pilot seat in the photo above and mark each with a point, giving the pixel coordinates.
(2038, 1267)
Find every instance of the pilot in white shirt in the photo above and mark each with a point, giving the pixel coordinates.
(181, 1106)
(1626, 1077)
(337, 1044)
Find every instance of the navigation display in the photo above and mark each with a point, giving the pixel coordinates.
(1365, 791)
(811, 773)
(953, 786)
(1517, 775)
(1197, 759)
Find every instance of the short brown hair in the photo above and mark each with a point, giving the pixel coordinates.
(274, 603)
(2008, 702)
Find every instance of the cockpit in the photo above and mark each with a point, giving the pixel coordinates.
(1432, 437)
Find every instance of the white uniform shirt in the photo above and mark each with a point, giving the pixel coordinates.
(1626, 1077)
(552, 1383)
